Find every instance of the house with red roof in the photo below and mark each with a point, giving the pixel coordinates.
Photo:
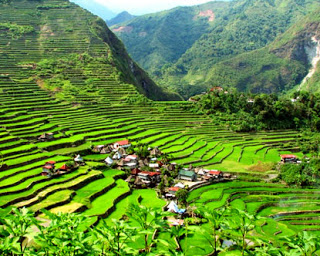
(173, 190)
(48, 169)
(215, 174)
(289, 158)
(64, 168)
(121, 144)
(150, 177)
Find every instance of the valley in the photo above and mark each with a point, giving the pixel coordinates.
(68, 88)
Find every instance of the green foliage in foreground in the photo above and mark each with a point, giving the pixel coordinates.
(22, 234)
(262, 111)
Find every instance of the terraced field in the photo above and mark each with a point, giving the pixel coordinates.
(286, 210)
(27, 110)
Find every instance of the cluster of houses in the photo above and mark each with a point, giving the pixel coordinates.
(200, 174)
(196, 175)
(50, 169)
(119, 158)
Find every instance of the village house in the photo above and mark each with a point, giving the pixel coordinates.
(216, 89)
(121, 144)
(154, 165)
(187, 175)
(180, 185)
(135, 172)
(215, 174)
(102, 149)
(117, 156)
(150, 178)
(98, 148)
(46, 137)
(131, 161)
(64, 168)
(173, 207)
(155, 152)
(109, 160)
(79, 160)
(289, 159)
(173, 191)
(48, 169)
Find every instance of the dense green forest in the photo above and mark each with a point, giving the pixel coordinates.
(243, 26)
(158, 40)
(252, 112)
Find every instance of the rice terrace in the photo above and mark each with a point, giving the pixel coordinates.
(94, 161)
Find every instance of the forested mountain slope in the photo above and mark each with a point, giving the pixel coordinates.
(158, 39)
(49, 42)
(241, 26)
(121, 17)
(278, 67)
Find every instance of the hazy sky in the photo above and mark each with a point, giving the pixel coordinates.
(139, 7)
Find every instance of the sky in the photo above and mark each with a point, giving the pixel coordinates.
(139, 7)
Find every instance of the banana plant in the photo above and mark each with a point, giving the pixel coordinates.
(149, 220)
(63, 236)
(115, 238)
(304, 244)
(240, 224)
(213, 233)
(16, 231)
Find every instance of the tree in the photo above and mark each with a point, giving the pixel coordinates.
(166, 158)
(182, 195)
(142, 151)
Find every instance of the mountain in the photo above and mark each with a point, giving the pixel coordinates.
(155, 40)
(121, 17)
(239, 27)
(288, 61)
(73, 58)
(96, 8)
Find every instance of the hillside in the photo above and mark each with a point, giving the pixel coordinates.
(278, 67)
(241, 26)
(121, 17)
(51, 44)
(158, 39)
(63, 92)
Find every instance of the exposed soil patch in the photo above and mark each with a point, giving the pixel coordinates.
(208, 13)
(123, 29)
